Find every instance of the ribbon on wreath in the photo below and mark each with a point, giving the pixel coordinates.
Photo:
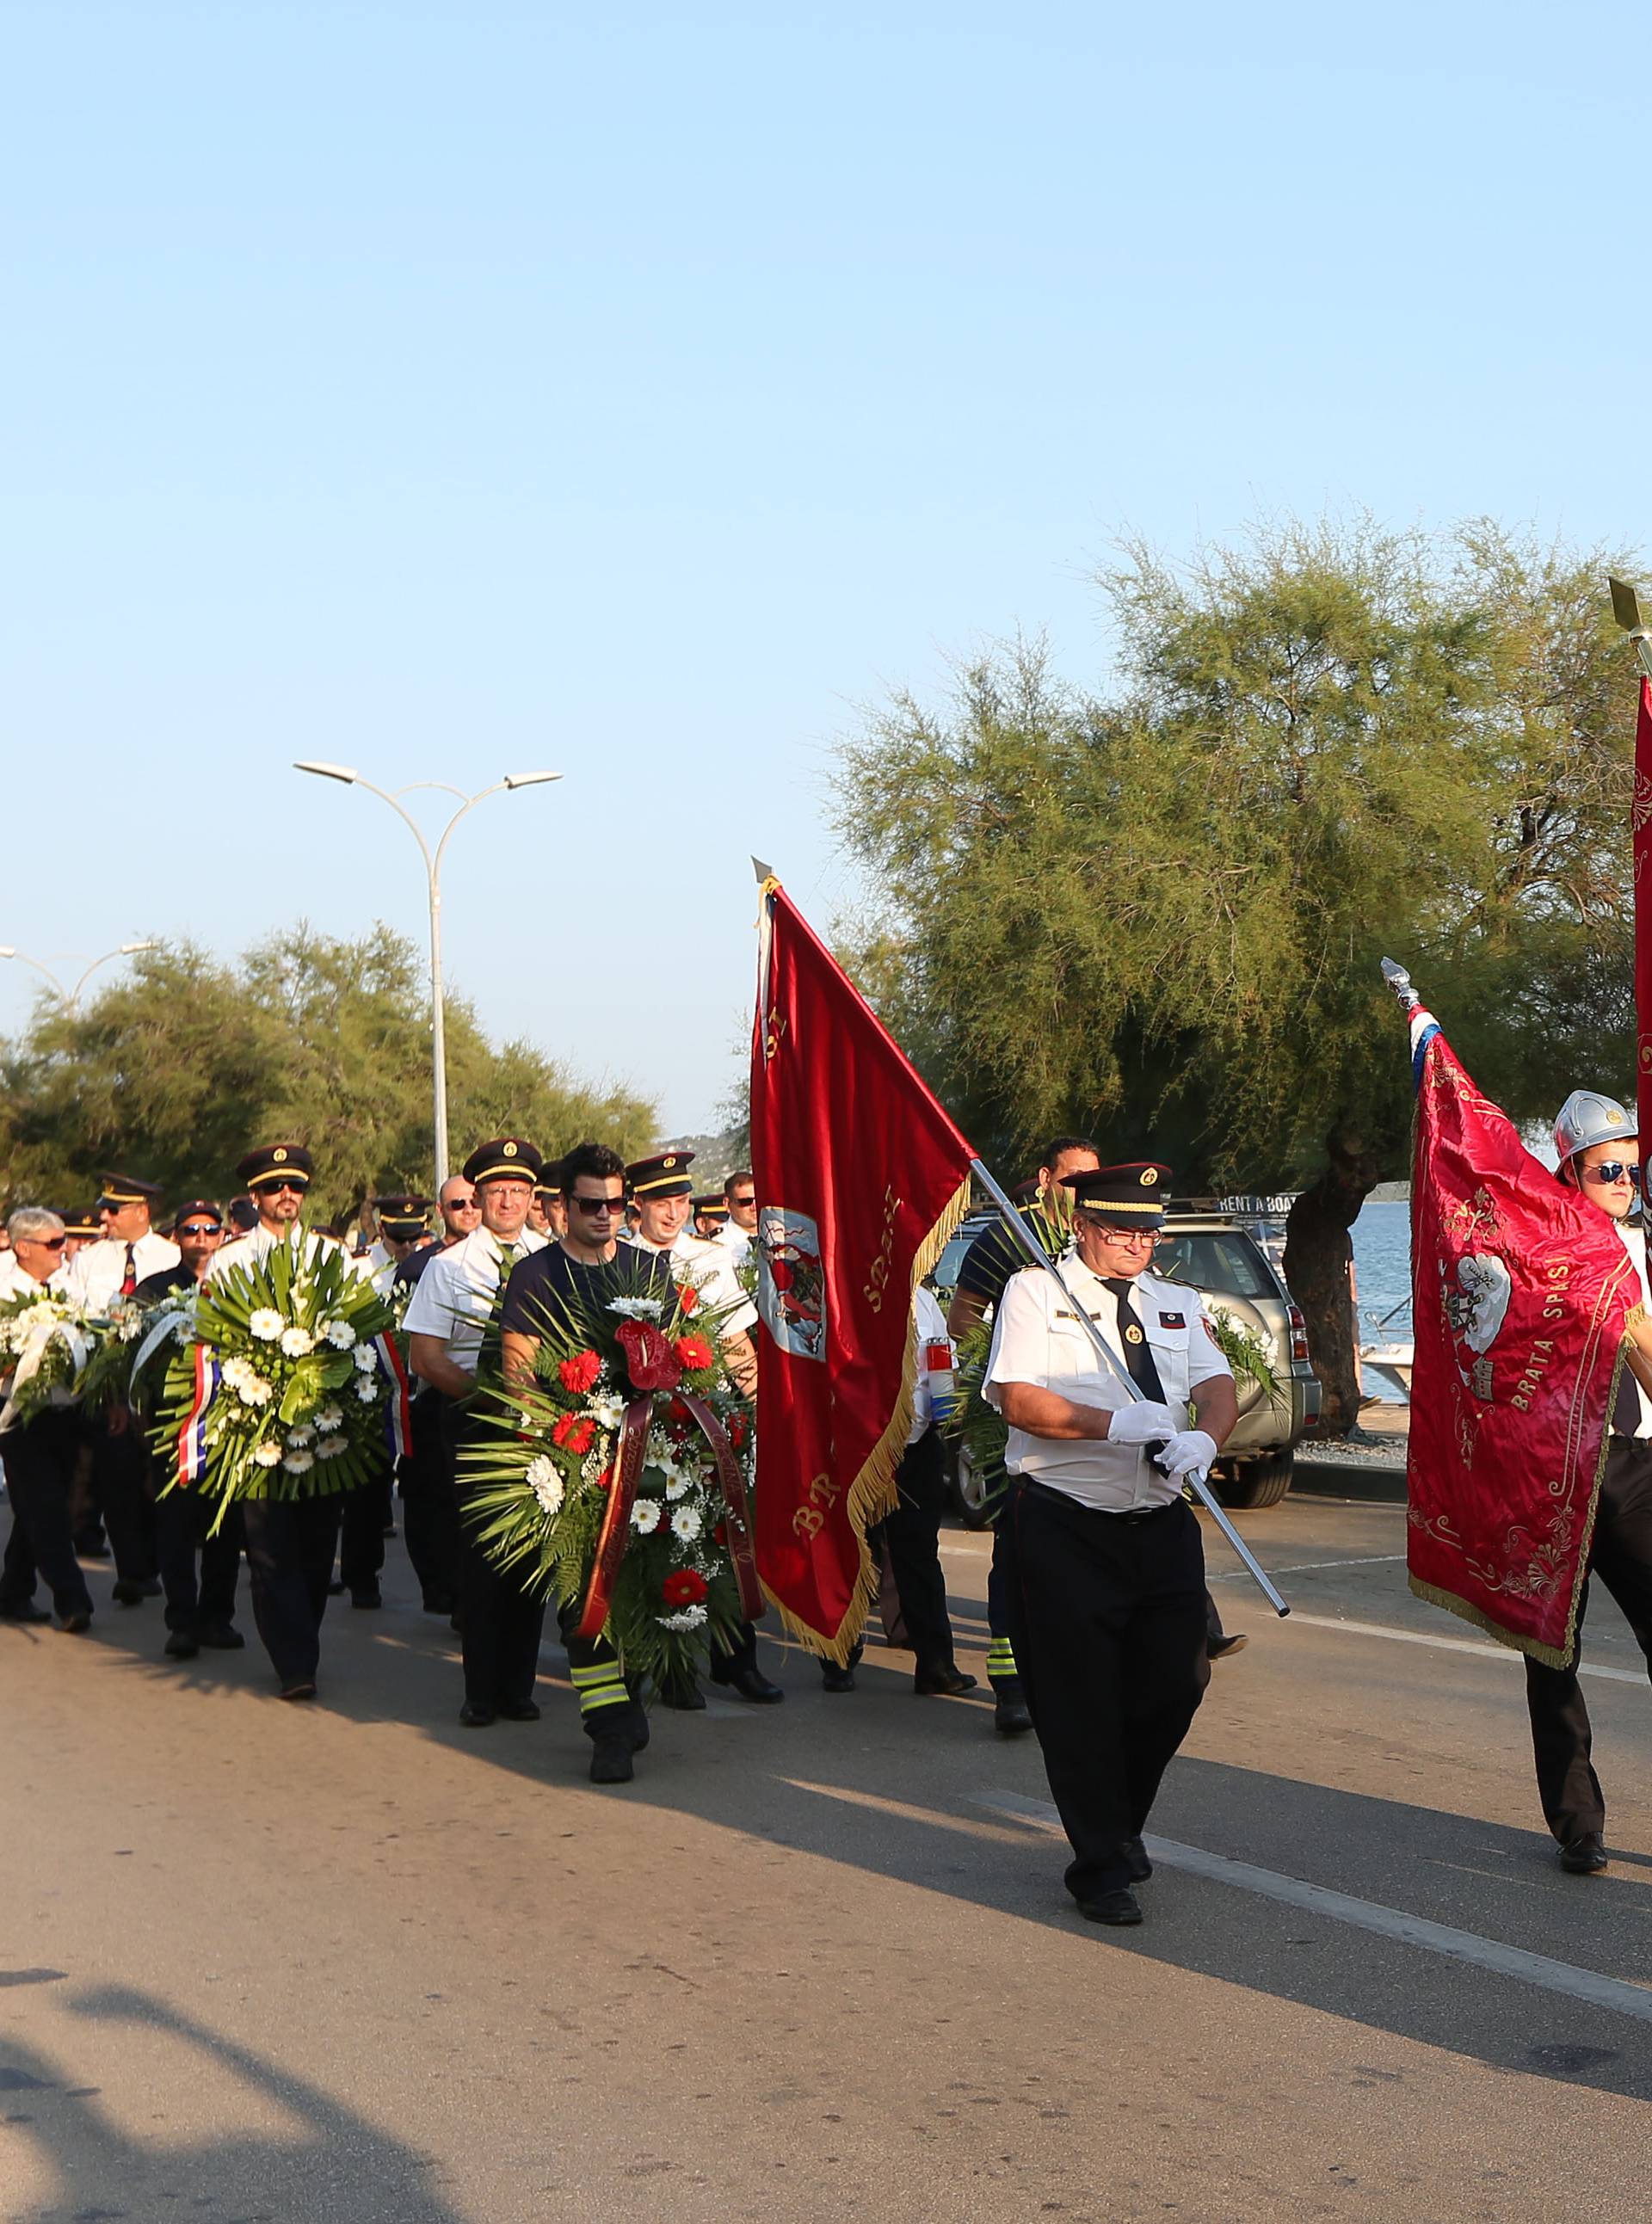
(48, 1329)
(398, 1417)
(192, 1436)
(736, 1499)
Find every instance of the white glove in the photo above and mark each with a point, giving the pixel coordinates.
(1187, 1451)
(1142, 1424)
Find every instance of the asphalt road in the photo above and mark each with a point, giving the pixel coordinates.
(354, 1963)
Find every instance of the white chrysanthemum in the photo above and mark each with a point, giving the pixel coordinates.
(331, 1447)
(296, 1342)
(298, 1462)
(366, 1389)
(366, 1358)
(339, 1334)
(648, 1309)
(545, 1480)
(687, 1617)
(647, 1515)
(685, 1524)
(330, 1418)
(267, 1454)
(266, 1324)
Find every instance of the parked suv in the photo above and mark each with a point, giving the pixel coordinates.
(1215, 1254)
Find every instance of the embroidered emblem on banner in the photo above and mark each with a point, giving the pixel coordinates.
(791, 1283)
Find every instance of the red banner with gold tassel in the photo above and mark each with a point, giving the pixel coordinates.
(860, 1178)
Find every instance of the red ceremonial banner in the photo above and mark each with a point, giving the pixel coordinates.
(1521, 1293)
(1640, 831)
(860, 1178)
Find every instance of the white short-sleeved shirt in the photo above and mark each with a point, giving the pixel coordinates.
(256, 1246)
(93, 1276)
(705, 1262)
(929, 1326)
(1634, 1241)
(15, 1282)
(735, 1240)
(1038, 1337)
(455, 1297)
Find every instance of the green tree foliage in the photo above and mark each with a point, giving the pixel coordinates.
(1156, 915)
(173, 1072)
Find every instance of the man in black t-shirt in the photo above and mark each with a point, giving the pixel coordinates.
(988, 1264)
(585, 1271)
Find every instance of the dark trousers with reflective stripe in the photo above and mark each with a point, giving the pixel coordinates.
(500, 1620)
(1108, 1624)
(1622, 1559)
(290, 1543)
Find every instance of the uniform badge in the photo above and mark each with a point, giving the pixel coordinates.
(507, 1150)
(278, 1156)
(1172, 1320)
(1149, 1177)
(1132, 1333)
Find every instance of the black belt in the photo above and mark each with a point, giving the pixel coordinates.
(1132, 1517)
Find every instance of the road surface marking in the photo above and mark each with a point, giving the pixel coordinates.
(1489, 1954)
(1453, 1644)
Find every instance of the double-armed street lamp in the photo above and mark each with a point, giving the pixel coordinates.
(433, 875)
(71, 996)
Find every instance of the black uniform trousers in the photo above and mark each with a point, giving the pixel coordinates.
(204, 1600)
(120, 1490)
(361, 1534)
(500, 1620)
(912, 1531)
(1108, 1624)
(1621, 1557)
(429, 1517)
(40, 1460)
(290, 1543)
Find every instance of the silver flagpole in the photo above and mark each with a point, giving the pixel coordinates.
(1114, 1366)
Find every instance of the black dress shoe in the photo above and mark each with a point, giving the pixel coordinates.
(1135, 1853)
(368, 1596)
(686, 1698)
(527, 1712)
(303, 1688)
(475, 1718)
(126, 1590)
(611, 1760)
(942, 1682)
(1220, 1647)
(437, 1602)
(182, 1644)
(1010, 1717)
(752, 1684)
(25, 1610)
(222, 1637)
(90, 1548)
(336, 1590)
(833, 1678)
(1116, 1907)
(1583, 1856)
(76, 1624)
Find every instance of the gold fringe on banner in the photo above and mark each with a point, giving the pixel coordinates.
(872, 1494)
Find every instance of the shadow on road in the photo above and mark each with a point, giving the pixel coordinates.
(332, 2163)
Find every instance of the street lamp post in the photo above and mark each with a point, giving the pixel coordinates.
(72, 997)
(433, 875)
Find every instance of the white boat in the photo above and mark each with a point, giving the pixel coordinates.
(1389, 1347)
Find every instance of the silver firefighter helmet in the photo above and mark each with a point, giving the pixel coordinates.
(1587, 1117)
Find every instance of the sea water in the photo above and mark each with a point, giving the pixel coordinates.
(1382, 1267)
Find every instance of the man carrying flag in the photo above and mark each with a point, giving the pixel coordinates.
(1527, 1465)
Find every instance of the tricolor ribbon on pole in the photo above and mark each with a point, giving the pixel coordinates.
(191, 1434)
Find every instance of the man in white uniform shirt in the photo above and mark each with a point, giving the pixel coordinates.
(447, 1317)
(739, 1230)
(39, 1455)
(663, 1194)
(277, 1177)
(1108, 1566)
(1596, 1139)
(128, 1253)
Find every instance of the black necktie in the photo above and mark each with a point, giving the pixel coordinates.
(1626, 1406)
(129, 1280)
(1138, 1357)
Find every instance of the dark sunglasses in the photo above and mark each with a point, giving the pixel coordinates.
(279, 1189)
(1611, 1170)
(48, 1242)
(599, 1203)
(200, 1227)
(743, 1201)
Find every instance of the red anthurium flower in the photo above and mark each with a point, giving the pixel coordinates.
(693, 1352)
(684, 1587)
(649, 1360)
(579, 1373)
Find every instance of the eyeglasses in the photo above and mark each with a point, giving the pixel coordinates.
(200, 1227)
(462, 1204)
(1610, 1171)
(599, 1203)
(1149, 1236)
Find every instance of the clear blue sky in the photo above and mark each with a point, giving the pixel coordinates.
(453, 389)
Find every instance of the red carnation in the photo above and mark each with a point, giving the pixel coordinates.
(693, 1352)
(574, 1433)
(688, 1299)
(649, 1360)
(579, 1373)
(686, 1587)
